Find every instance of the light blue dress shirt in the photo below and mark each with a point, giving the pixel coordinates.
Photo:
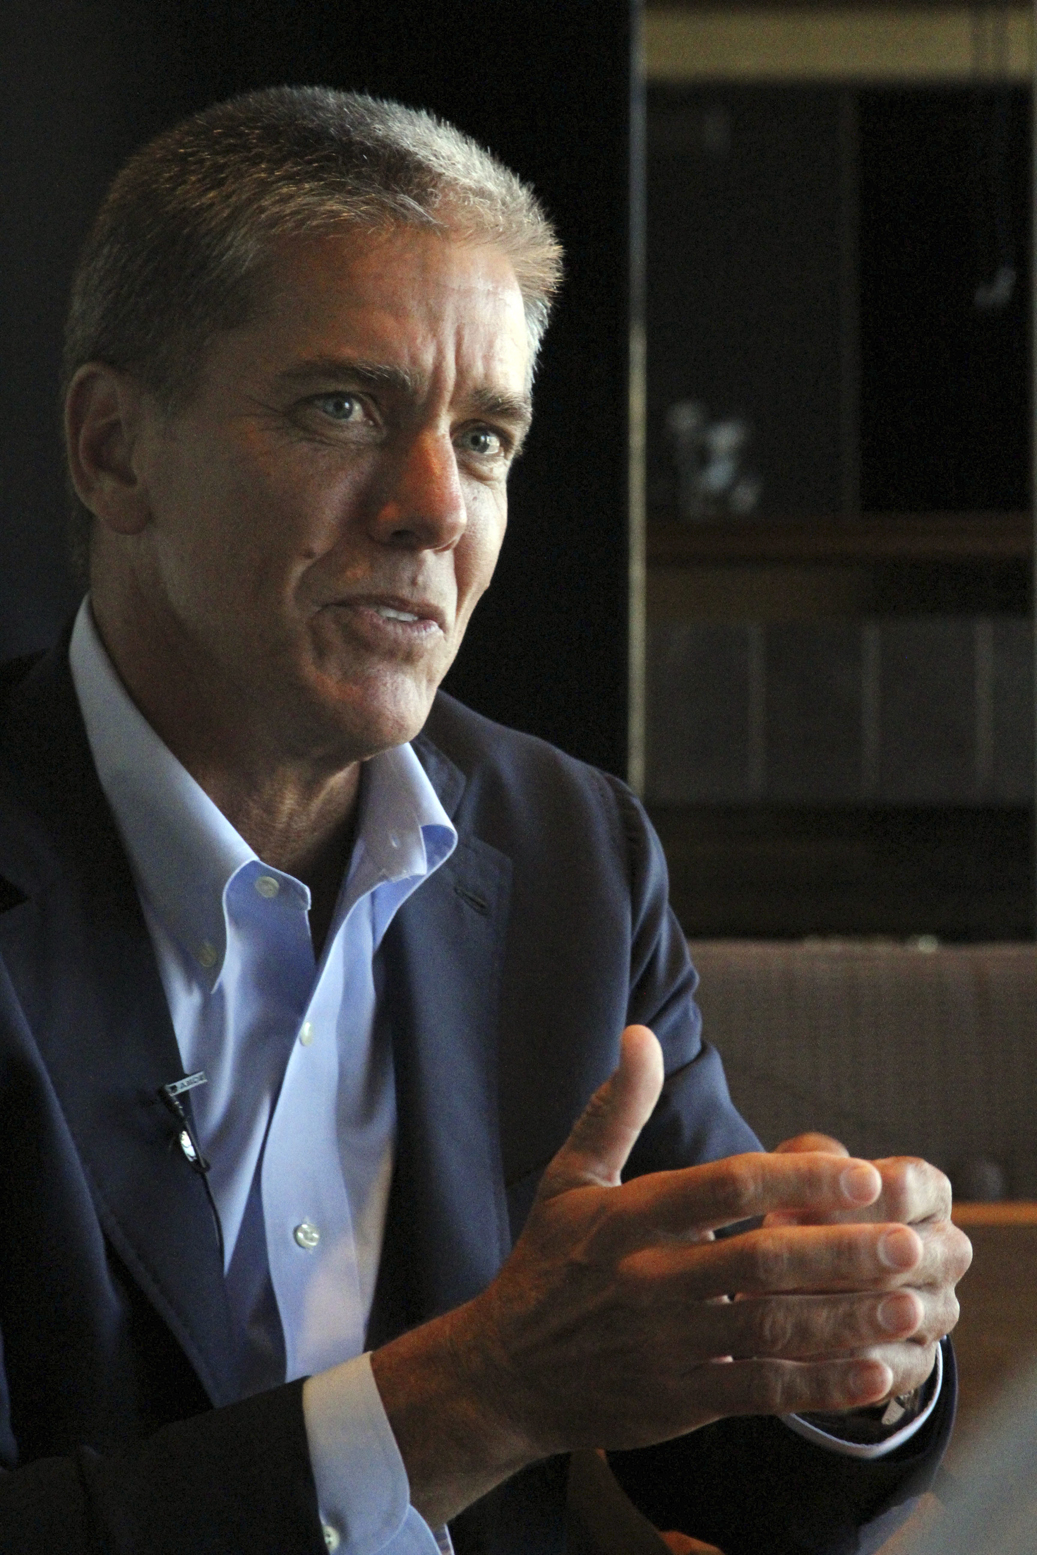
(297, 1116)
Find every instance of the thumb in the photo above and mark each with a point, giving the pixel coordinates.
(603, 1137)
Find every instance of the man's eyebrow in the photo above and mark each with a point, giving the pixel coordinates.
(484, 401)
(366, 375)
(508, 407)
(512, 411)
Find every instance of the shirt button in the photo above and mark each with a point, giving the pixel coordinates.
(267, 886)
(207, 954)
(306, 1033)
(332, 1537)
(306, 1235)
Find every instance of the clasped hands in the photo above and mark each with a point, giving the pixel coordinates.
(620, 1320)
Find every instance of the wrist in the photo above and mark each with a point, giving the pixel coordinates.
(447, 1400)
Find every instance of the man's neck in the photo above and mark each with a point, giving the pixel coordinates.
(297, 813)
(303, 828)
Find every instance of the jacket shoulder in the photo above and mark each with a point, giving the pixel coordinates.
(536, 803)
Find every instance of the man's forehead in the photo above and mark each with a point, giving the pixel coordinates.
(399, 264)
(390, 310)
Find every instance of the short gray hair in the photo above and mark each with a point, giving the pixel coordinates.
(175, 250)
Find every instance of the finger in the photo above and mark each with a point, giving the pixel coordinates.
(946, 1256)
(801, 1142)
(602, 1139)
(809, 1259)
(822, 1142)
(913, 1191)
(780, 1387)
(910, 1364)
(808, 1327)
(940, 1312)
(721, 1193)
(712, 1390)
(683, 1544)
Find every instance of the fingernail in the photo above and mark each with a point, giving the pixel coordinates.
(899, 1249)
(860, 1183)
(898, 1313)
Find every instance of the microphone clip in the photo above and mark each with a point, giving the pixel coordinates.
(169, 1095)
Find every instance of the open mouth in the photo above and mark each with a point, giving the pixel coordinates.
(405, 618)
(389, 614)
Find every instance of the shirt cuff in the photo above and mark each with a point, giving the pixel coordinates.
(362, 1487)
(813, 1433)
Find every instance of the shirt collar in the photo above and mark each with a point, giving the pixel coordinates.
(184, 852)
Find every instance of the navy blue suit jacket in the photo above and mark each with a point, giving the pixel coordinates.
(510, 975)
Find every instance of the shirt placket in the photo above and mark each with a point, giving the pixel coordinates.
(311, 1245)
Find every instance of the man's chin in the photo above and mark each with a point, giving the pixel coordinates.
(363, 721)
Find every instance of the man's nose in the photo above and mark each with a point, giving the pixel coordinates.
(421, 504)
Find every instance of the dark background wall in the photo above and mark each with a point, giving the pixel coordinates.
(548, 88)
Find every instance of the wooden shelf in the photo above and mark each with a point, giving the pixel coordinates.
(876, 537)
(1006, 1212)
(868, 41)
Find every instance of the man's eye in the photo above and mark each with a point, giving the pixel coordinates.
(483, 441)
(340, 407)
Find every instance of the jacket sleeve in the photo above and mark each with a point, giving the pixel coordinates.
(232, 1479)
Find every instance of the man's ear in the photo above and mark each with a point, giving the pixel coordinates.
(103, 411)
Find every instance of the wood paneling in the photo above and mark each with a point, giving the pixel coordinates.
(865, 43)
(879, 537)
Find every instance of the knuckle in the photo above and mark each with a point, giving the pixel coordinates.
(944, 1192)
(740, 1186)
(902, 1184)
(948, 1254)
(769, 1261)
(597, 1108)
(634, 1279)
(914, 1189)
(960, 1253)
(945, 1316)
(918, 1366)
(771, 1328)
(766, 1390)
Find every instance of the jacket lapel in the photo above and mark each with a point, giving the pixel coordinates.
(447, 1232)
(78, 952)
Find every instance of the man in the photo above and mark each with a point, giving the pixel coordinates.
(309, 972)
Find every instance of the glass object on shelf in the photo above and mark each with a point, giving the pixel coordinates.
(712, 481)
